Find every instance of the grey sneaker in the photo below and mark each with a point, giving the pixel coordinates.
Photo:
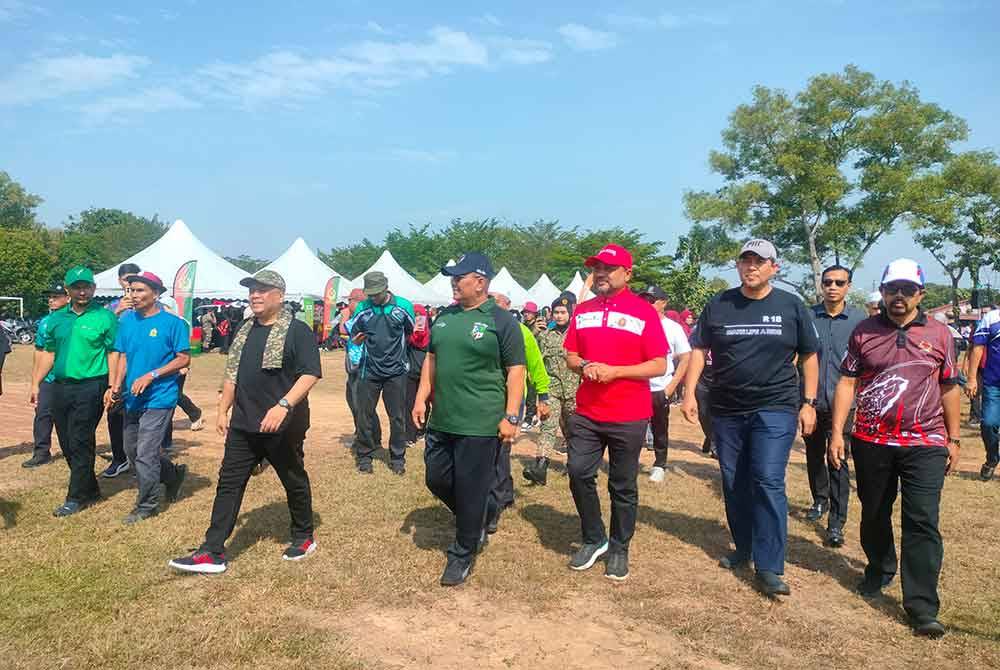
(456, 572)
(135, 517)
(616, 567)
(588, 554)
(657, 474)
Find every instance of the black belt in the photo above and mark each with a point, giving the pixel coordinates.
(101, 378)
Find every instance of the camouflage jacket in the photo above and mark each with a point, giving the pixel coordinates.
(563, 382)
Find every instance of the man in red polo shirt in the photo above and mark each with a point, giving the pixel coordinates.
(615, 342)
(901, 367)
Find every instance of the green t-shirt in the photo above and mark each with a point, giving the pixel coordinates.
(472, 351)
(81, 342)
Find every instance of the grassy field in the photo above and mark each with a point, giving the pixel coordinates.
(89, 592)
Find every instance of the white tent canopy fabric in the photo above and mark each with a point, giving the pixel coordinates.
(543, 291)
(440, 285)
(305, 274)
(576, 285)
(504, 283)
(401, 282)
(215, 276)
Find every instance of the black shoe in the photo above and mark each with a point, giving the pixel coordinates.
(456, 572)
(835, 538)
(872, 587)
(366, 468)
(931, 629)
(537, 472)
(588, 554)
(71, 507)
(174, 487)
(734, 561)
(616, 566)
(771, 584)
(398, 469)
(706, 446)
(36, 461)
(987, 471)
(493, 522)
(816, 512)
(136, 516)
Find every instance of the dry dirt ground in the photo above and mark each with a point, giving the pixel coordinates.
(88, 592)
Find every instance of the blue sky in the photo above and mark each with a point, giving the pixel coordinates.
(337, 120)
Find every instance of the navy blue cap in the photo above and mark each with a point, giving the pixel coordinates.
(471, 262)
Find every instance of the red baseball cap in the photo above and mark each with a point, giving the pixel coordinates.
(611, 254)
(530, 307)
(149, 279)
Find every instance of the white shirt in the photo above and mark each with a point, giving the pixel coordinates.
(678, 342)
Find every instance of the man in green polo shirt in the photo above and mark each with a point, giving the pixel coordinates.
(77, 352)
(475, 369)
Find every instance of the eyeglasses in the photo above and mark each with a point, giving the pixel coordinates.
(838, 282)
(906, 289)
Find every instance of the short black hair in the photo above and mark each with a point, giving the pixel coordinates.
(126, 269)
(832, 268)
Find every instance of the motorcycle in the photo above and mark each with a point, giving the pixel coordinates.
(19, 331)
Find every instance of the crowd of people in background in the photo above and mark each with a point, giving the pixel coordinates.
(601, 369)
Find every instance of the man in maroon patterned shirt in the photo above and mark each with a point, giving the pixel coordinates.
(900, 366)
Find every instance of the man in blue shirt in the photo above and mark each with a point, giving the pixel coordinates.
(58, 298)
(153, 347)
(986, 342)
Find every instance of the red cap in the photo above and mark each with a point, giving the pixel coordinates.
(611, 254)
(530, 307)
(149, 279)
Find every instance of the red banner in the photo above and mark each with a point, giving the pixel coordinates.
(329, 304)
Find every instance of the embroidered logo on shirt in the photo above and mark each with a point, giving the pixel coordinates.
(925, 346)
(620, 321)
(152, 333)
(478, 330)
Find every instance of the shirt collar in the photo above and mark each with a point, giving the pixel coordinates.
(919, 320)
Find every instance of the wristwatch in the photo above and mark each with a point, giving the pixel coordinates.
(284, 403)
(809, 401)
(513, 419)
(957, 443)
(154, 374)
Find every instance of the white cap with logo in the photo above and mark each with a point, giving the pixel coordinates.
(903, 269)
(762, 248)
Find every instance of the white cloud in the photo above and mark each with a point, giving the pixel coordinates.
(48, 78)
(376, 27)
(446, 47)
(666, 20)
(125, 19)
(156, 99)
(13, 10)
(522, 52)
(489, 20)
(582, 38)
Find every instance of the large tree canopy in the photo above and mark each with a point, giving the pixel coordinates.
(17, 206)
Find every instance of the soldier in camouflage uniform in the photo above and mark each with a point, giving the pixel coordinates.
(562, 387)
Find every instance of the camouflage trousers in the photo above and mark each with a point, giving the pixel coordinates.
(560, 409)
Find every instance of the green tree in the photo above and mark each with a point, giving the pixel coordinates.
(350, 261)
(959, 221)
(826, 173)
(25, 267)
(17, 206)
(247, 263)
(100, 238)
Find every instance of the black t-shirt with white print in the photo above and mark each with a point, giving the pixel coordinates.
(753, 345)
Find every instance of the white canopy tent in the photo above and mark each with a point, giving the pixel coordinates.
(305, 274)
(504, 283)
(401, 282)
(576, 285)
(215, 276)
(543, 291)
(440, 285)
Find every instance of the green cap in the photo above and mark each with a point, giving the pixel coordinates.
(265, 278)
(78, 274)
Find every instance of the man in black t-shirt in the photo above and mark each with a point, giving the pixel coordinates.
(273, 363)
(754, 334)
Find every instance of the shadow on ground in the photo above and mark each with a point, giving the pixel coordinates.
(268, 522)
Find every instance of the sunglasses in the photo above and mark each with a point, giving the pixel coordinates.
(907, 289)
(838, 282)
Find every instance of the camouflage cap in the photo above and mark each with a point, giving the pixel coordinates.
(265, 278)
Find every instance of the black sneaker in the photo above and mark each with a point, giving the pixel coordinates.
(872, 587)
(493, 522)
(174, 487)
(456, 572)
(588, 554)
(299, 550)
(706, 446)
(366, 468)
(616, 566)
(834, 538)
(36, 461)
(136, 516)
(771, 584)
(734, 561)
(537, 472)
(931, 629)
(115, 469)
(987, 471)
(397, 469)
(816, 512)
(204, 562)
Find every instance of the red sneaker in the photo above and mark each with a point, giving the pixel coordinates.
(200, 561)
(299, 550)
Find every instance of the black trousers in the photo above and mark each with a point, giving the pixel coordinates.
(42, 428)
(919, 473)
(624, 442)
(353, 379)
(243, 452)
(185, 403)
(530, 403)
(701, 394)
(393, 393)
(660, 426)
(116, 432)
(502, 489)
(77, 407)
(829, 486)
(413, 433)
(459, 471)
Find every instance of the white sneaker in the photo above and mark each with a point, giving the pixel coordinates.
(657, 475)
(198, 425)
